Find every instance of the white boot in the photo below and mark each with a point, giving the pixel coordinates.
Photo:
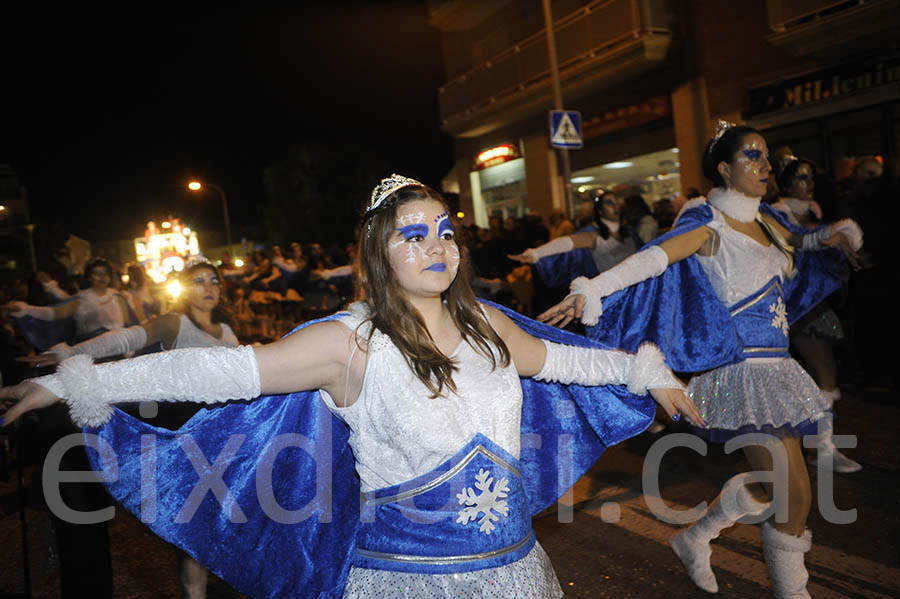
(784, 557)
(692, 545)
(825, 445)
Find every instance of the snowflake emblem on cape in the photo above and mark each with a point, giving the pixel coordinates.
(779, 321)
(487, 502)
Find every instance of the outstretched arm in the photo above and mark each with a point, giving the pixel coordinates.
(560, 245)
(643, 373)
(310, 359)
(160, 329)
(585, 300)
(59, 311)
(844, 234)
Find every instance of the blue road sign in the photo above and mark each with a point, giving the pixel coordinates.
(565, 129)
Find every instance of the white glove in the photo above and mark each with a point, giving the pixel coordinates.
(205, 374)
(847, 226)
(560, 245)
(20, 309)
(113, 343)
(589, 366)
(646, 264)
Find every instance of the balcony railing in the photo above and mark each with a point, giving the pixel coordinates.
(833, 28)
(586, 38)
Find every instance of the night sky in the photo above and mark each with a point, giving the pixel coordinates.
(107, 113)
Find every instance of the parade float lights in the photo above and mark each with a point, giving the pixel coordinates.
(166, 249)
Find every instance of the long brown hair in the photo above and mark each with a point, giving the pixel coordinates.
(393, 315)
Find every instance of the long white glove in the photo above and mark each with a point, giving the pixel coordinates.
(20, 309)
(847, 226)
(113, 343)
(205, 374)
(589, 366)
(560, 245)
(638, 267)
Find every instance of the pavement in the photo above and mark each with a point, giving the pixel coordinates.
(614, 546)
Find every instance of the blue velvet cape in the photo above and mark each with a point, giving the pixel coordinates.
(680, 312)
(565, 429)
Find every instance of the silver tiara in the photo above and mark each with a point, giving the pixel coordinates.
(384, 189)
(721, 128)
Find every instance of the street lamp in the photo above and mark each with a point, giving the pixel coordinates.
(197, 186)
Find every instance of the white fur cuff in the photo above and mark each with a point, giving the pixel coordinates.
(81, 383)
(649, 371)
(772, 537)
(851, 230)
(593, 305)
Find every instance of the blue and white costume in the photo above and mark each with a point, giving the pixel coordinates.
(726, 317)
(399, 434)
(449, 483)
(767, 390)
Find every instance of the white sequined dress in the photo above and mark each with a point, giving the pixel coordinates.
(398, 432)
(771, 395)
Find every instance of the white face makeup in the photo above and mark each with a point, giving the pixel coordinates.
(749, 172)
(422, 249)
(204, 289)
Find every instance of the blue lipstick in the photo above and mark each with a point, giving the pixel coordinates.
(437, 267)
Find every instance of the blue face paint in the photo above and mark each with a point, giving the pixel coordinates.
(752, 154)
(803, 178)
(438, 267)
(445, 226)
(410, 231)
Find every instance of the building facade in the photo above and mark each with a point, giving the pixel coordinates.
(651, 78)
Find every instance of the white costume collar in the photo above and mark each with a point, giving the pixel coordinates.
(733, 203)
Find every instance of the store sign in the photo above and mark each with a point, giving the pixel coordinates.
(611, 121)
(822, 86)
(496, 155)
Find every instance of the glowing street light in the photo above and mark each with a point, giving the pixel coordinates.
(198, 186)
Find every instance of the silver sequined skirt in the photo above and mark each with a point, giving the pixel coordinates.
(773, 395)
(531, 577)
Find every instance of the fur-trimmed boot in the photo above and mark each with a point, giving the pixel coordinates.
(692, 545)
(825, 445)
(784, 556)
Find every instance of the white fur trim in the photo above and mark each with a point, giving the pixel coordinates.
(649, 371)
(646, 264)
(734, 204)
(79, 377)
(593, 304)
(851, 230)
(773, 537)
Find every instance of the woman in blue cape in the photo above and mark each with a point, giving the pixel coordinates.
(718, 294)
(453, 451)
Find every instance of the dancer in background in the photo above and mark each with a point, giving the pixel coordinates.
(813, 335)
(201, 320)
(716, 293)
(428, 382)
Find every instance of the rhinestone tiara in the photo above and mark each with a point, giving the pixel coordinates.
(384, 189)
(721, 128)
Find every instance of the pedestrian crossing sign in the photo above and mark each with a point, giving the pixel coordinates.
(565, 129)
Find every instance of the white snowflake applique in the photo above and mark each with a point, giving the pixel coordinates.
(780, 321)
(488, 502)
